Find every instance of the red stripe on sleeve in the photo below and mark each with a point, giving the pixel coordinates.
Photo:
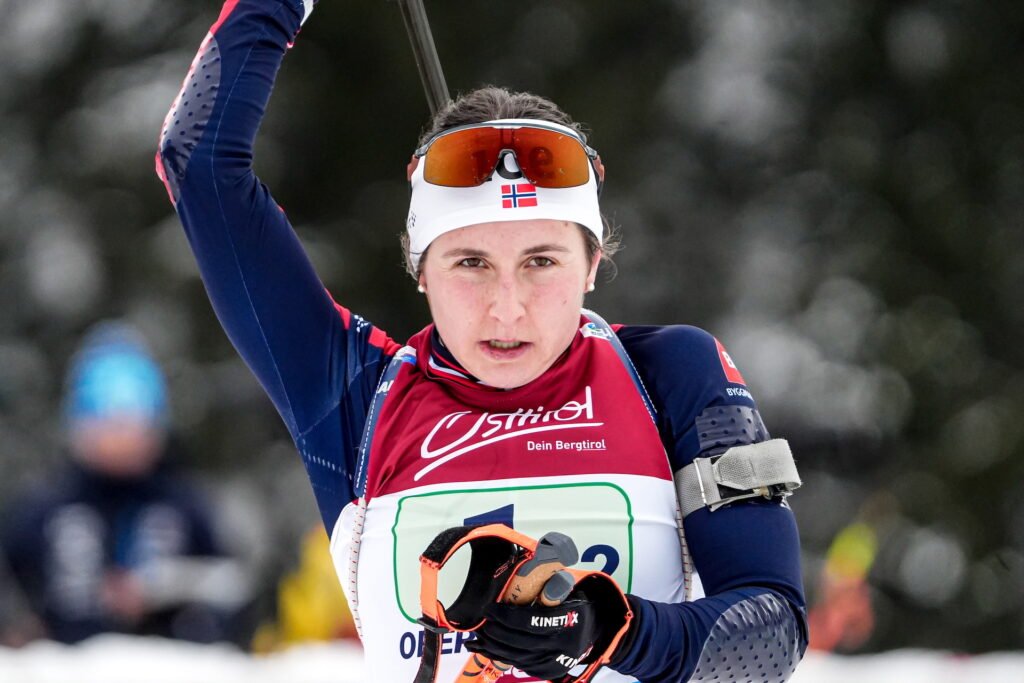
(381, 340)
(346, 315)
(161, 173)
(225, 12)
(378, 337)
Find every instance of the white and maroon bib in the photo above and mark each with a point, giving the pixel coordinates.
(574, 451)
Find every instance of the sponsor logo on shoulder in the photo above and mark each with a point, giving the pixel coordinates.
(738, 391)
(732, 373)
(592, 330)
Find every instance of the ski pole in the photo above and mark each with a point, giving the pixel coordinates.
(425, 53)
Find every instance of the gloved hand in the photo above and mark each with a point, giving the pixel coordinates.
(546, 642)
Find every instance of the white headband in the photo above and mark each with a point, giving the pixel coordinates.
(505, 196)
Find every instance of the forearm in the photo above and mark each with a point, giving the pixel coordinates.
(318, 363)
(209, 131)
(750, 631)
(261, 283)
(752, 621)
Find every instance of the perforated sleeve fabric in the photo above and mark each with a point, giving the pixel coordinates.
(755, 640)
(747, 553)
(318, 362)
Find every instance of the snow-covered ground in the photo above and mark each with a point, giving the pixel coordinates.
(117, 659)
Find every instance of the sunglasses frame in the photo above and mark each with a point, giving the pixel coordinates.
(592, 155)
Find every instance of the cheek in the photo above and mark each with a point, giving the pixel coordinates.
(563, 291)
(454, 305)
(460, 295)
(558, 302)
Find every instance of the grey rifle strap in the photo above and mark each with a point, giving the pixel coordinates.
(763, 469)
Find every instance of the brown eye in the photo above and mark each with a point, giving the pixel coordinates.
(471, 262)
(541, 261)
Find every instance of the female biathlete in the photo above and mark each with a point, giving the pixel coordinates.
(514, 406)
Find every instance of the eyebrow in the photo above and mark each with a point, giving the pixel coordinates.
(465, 252)
(546, 247)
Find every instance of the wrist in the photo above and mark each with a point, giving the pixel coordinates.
(304, 8)
(628, 641)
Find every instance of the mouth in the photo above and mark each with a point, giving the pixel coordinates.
(504, 349)
(504, 345)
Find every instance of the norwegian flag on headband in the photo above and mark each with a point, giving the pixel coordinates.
(518, 195)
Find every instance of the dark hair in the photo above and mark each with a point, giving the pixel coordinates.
(489, 103)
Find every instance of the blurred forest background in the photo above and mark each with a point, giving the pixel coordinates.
(835, 190)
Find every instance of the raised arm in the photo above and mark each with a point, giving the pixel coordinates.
(318, 362)
(752, 624)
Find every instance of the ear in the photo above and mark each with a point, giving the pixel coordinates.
(414, 162)
(592, 273)
(600, 169)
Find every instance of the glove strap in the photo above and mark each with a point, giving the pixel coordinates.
(599, 583)
(430, 663)
(497, 551)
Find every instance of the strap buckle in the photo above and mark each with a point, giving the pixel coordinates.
(432, 626)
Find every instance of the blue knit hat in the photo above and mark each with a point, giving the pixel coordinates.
(113, 375)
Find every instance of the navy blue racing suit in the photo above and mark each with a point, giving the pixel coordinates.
(320, 365)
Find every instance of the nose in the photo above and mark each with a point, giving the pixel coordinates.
(507, 300)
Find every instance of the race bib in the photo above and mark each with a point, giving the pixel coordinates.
(597, 516)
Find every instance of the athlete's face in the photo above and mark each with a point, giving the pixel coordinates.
(506, 296)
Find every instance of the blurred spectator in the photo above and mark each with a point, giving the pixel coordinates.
(310, 603)
(842, 618)
(115, 541)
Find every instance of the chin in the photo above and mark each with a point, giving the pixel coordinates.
(510, 379)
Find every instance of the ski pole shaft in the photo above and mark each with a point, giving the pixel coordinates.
(424, 51)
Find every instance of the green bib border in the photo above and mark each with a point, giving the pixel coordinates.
(398, 513)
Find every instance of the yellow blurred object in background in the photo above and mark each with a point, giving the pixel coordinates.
(844, 619)
(310, 603)
(852, 552)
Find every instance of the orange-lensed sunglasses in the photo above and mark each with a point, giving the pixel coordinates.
(466, 156)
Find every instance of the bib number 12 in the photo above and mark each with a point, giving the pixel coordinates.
(506, 515)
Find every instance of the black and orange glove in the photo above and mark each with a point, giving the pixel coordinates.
(547, 642)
